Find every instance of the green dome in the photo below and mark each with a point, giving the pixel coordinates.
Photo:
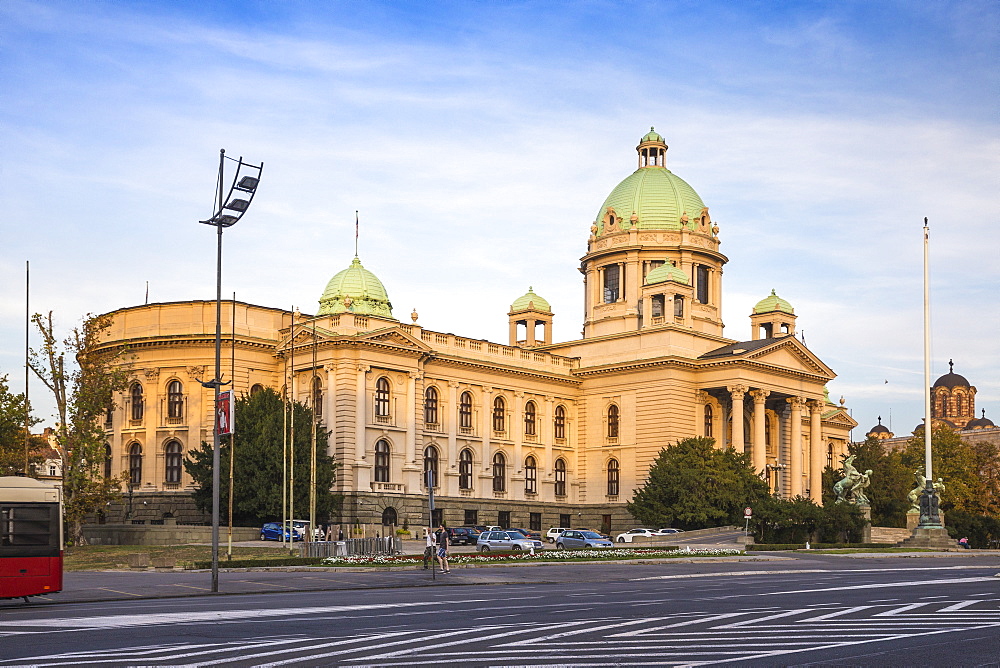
(773, 303)
(355, 290)
(657, 197)
(667, 272)
(652, 135)
(530, 300)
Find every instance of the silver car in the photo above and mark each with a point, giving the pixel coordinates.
(506, 541)
(579, 540)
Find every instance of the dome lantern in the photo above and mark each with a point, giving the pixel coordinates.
(772, 317)
(652, 150)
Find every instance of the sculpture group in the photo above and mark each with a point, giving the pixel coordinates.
(852, 484)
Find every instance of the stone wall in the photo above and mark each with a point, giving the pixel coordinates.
(167, 534)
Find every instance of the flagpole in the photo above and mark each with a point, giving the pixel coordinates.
(232, 436)
(291, 438)
(27, 335)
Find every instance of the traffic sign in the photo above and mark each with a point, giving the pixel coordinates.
(747, 512)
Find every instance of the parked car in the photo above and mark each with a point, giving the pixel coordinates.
(632, 533)
(579, 540)
(506, 540)
(527, 533)
(295, 530)
(462, 536)
(553, 533)
(670, 531)
(494, 528)
(599, 533)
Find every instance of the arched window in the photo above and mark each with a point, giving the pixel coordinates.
(613, 421)
(530, 475)
(431, 406)
(256, 388)
(612, 477)
(317, 398)
(829, 455)
(173, 462)
(107, 460)
(135, 464)
(389, 517)
(499, 472)
(382, 389)
(465, 411)
(499, 415)
(560, 477)
(135, 397)
(175, 400)
(431, 464)
(465, 469)
(382, 461)
(708, 420)
(529, 419)
(559, 422)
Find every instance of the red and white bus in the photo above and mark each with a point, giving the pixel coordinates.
(31, 541)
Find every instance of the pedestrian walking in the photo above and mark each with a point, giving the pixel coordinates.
(429, 546)
(442, 543)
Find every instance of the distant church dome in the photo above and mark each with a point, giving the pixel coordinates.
(355, 290)
(879, 431)
(980, 422)
(951, 379)
(529, 300)
(773, 303)
(652, 197)
(667, 272)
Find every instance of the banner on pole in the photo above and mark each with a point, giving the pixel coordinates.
(224, 413)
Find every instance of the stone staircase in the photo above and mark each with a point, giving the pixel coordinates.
(889, 535)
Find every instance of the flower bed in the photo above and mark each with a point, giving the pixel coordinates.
(610, 554)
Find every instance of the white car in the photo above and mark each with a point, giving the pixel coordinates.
(553, 533)
(666, 532)
(632, 533)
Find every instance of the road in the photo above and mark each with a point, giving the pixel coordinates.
(799, 611)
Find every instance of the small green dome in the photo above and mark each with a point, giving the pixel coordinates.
(355, 290)
(667, 272)
(773, 303)
(530, 300)
(652, 135)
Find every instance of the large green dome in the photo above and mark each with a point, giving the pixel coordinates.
(657, 197)
(355, 290)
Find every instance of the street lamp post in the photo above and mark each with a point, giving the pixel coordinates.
(230, 209)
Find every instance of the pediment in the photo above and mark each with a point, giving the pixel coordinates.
(840, 416)
(306, 335)
(789, 353)
(395, 337)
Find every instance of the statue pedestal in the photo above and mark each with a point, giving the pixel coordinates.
(935, 538)
(866, 532)
(913, 519)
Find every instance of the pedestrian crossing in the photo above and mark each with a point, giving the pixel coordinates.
(705, 638)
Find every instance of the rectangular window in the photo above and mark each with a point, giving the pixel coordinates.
(29, 529)
(535, 521)
(657, 304)
(503, 519)
(606, 524)
(565, 521)
(471, 517)
(437, 517)
(701, 283)
(612, 283)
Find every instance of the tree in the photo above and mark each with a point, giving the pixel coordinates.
(694, 485)
(969, 471)
(257, 475)
(14, 458)
(83, 396)
(891, 481)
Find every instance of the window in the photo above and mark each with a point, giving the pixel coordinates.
(135, 464)
(389, 517)
(611, 283)
(529, 419)
(382, 397)
(503, 519)
(701, 283)
(829, 455)
(560, 477)
(678, 306)
(499, 415)
(465, 411)
(431, 406)
(465, 469)
(317, 398)
(437, 517)
(499, 472)
(559, 423)
(431, 464)
(175, 400)
(708, 421)
(656, 302)
(471, 517)
(530, 476)
(256, 388)
(52, 469)
(535, 521)
(612, 477)
(135, 395)
(382, 461)
(109, 417)
(173, 462)
(565, 520)
(107, 460)
(612, 421)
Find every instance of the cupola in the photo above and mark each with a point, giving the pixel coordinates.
(772, 317)
(527, 313)
(355, 290)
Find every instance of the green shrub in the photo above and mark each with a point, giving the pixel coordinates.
(254, 563)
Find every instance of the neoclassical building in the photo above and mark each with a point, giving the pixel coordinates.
(533, 432)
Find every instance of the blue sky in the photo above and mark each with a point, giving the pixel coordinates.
(478, 140)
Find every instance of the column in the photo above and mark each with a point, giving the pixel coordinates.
(759, 453)
(411, 418)
(736, 393)
(513, 332)
(816, 454)
(517, 426)
(487, 427)
(529, 333)
(361, 413)
(795, 447)
(452, 423)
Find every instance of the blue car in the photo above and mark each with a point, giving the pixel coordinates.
(293, 531)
